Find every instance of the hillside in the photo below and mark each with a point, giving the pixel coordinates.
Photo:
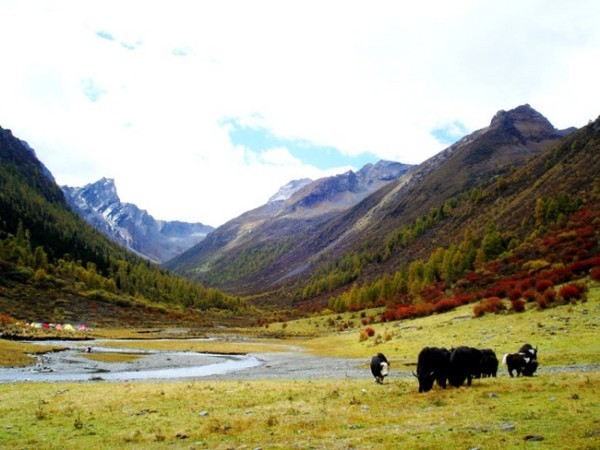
(251, 252)
(528, 232)
(55, 267)
(408, 218)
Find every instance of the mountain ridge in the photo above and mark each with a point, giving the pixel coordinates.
(133, 228)
(474, 161)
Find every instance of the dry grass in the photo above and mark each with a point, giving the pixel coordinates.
(16, 354)
(560, 409)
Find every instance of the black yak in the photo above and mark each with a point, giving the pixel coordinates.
(432, 365)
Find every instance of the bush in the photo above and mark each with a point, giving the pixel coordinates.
(370, 331)
(529, 295)
(489, 305)
(517, 305)
(446, 304)
(549, 295)
(541, 302)
(572, 292)
(543, 284)
(595, 274)
(515, 293)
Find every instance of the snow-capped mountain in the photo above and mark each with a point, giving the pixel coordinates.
(158, 240)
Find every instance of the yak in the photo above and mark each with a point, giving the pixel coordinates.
(432, 365)
(488, 366)
(379, 367)
(524, 362)
(464, 365)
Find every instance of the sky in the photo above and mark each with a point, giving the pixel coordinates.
(202, 110)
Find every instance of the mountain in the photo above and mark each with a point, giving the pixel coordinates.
(281, 250)
(55, 267)
(99, 204)
(255, 245)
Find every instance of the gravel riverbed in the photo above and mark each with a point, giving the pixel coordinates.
(72, 365)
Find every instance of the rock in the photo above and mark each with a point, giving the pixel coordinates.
(532, 437)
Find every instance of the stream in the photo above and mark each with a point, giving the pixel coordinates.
(71, 364)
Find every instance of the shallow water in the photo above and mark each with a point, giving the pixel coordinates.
(71, 365)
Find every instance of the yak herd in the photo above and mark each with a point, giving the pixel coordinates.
(460, 364)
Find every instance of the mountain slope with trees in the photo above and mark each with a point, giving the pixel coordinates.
(444, 201)
(53, 264)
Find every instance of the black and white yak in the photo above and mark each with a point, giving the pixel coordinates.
(524, 362)
(380, 367)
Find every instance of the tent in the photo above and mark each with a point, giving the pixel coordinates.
(68, 327)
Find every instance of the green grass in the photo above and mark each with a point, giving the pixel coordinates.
(561, 409)
(564, 335)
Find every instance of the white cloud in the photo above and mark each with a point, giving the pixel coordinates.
(140, 90)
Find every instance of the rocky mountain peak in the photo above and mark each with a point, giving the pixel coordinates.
(289, 189)
(527, 121)
(99, 204)
(98, 195)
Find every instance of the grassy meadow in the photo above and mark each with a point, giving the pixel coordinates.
(552, 410)
(558, 411)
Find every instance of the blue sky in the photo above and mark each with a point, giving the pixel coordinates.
(324, 158)
(201, 111)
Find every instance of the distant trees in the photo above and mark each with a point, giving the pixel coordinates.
(489, 268)
(20, 262)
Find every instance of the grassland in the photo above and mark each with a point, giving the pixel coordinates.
(552, 410)
(544, 412)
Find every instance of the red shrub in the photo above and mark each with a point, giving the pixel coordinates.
(572, 292)
(529, 295)
(543, 284)
(515, 293)
(541, 302)
(557, 275)
(527, 283)
(585, 265)
(478, 311)
(595, 274)
(446, 304)
(422, 309)
(6, 320)
(388, 315)
(518, 305)
(463, 299)
(370, 331)
(491, 305)
(549, 295)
